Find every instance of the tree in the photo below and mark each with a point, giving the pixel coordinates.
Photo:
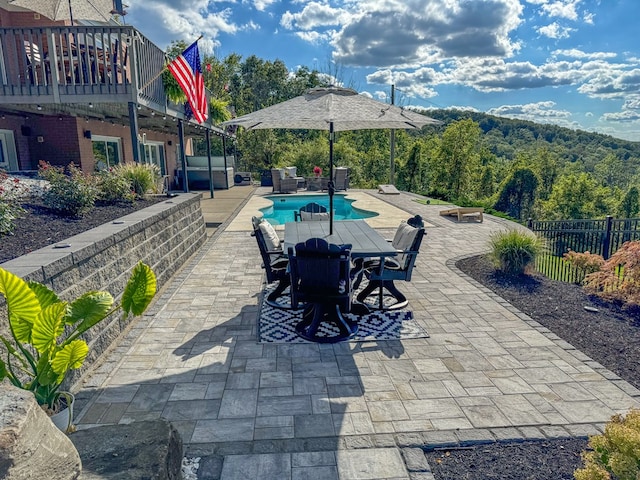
(412, 171)
(610, 172)
(577, 195)
(518, 194)
(457, 159)
(630, 205)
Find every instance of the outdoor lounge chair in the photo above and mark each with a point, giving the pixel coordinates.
(274, 261)
(311, 211)
(282, 183)
(341, 178)
(382, 274)
(321, 279)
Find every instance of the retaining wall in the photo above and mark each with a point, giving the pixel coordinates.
(163, 236)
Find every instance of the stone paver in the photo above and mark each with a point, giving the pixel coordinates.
(486, 373)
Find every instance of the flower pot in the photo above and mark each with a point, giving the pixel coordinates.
(64, 418)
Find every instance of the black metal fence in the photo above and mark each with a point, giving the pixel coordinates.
(603, 237)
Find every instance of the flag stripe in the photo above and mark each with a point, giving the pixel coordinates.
(187, 72)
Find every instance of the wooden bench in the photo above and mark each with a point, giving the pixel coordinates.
(462, 212)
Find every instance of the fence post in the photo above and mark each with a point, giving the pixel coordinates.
(606, 241)
(529, 223)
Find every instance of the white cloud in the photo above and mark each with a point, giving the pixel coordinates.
(541, 112)
(561, 9)
(554, 30)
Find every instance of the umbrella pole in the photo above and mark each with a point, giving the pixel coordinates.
(330, 183)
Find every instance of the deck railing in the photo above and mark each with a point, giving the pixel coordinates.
(113, 64)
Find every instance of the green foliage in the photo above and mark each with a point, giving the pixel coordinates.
(630, 204)
(113, 187)
(615, 453)
(46, 332)
(142, 177)
(219, 111)
(70, 194)
(518, 194)
(10, 209)
(609, 283)
(513, 251)
(457, 160)
(577, 195)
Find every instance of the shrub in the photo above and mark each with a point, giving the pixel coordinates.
(512, 251)
(71, 194)
(619, 278)
(113, 187)
(11, 192)
(585, 263)
(616, 453)
(142, 177)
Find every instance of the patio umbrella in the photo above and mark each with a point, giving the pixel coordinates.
(99, 10)
(334, 109)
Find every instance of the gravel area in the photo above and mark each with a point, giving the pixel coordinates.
(609, 335)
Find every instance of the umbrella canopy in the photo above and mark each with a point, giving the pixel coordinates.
(319, 108)
(98, 10)
(334, 109)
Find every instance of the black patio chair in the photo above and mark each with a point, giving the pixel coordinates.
(274, 260)
(321, 279)
(309, 211)
(382, 274)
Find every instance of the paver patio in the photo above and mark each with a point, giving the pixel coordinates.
(347, 410)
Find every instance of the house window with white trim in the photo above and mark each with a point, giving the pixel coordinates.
(154, 154)
(107, 151)
(8, 155)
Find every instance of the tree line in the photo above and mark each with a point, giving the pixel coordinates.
(520, 168)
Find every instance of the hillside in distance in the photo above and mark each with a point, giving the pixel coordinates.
(505, 137)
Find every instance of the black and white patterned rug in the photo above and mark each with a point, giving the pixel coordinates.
(277, 325)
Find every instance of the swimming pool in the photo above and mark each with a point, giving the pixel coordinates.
(284, 206)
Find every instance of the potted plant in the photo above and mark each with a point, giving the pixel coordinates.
(317, 171)
(46, 331)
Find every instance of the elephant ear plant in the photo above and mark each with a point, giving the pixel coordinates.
(46, 331)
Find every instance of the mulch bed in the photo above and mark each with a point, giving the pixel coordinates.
(41, 227)
(609, 335)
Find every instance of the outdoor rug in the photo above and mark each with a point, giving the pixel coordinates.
(277, 325)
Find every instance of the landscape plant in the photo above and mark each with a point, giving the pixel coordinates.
(71, 192)
(514, 250)
(10, 209)
(113, 187)
(142, 177)
(619, 278)
(615, 453)
(585, 263)
(46, 332)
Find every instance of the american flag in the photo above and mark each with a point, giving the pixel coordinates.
(186, 70)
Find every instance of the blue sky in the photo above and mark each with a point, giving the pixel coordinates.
(575, 63)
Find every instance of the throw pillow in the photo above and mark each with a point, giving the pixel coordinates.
(271, 238)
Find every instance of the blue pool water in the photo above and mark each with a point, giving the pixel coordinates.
(284, 206)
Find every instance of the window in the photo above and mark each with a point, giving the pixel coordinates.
(8, 156)
(106, 151)
(153, 152)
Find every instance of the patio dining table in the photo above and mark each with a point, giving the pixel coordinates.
(365, 243)
(364, 240)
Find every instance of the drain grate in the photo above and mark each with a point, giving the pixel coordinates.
(212, 224)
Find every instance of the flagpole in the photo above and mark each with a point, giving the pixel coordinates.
(162, 71)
